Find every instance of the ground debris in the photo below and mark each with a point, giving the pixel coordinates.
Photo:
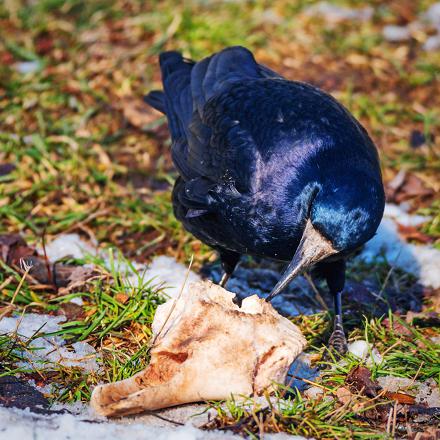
(17, 393)
(17, 254)
(359, 379)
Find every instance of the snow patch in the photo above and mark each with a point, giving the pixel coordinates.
(22, 424)
(395, 33)
(68, 245)
(422, 261)
(399, 213)
(170, 275)
(334, 14)
(428, 392)
(165, 272)
(366, 352)
(47, 349)
(25, 67)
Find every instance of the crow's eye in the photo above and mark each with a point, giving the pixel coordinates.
(357, 215)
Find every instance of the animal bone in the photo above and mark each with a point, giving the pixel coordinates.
(206, 348)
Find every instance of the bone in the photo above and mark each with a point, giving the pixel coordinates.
(206, 348)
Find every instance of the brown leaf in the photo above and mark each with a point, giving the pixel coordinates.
(122, 298)
(13, 248)
(394, 185)
(44, 45)
(402, 398)
(413, 187)
(397, 327)
(72, 311)
(344, 395)
(359, 380)
(429, 433)
(423, 319)
(407, 187)
(139, 114)
(80, 274)
(405, 10)
(412, 233)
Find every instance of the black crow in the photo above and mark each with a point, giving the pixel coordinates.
(269, 167)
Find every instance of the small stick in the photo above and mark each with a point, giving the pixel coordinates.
(174, 303)
(46, 260)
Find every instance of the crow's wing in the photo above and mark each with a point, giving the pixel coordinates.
(212, 151)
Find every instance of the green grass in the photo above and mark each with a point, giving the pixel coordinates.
(325, 417)
(81, 166)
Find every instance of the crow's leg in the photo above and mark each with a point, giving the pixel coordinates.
(337, 340)
(229, 261)
(335, 275)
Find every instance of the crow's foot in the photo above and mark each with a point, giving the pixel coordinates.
(337, 343)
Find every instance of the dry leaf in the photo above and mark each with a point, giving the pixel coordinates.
(430, 433)
(344, 395)
(122, 298)
(139, 114)
(413, 187)
(412, 233)
(397, 327)
(13, 248)
(359, 380)
(72, 311)
(401, 398)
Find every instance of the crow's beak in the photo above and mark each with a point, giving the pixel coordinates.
(312, 248)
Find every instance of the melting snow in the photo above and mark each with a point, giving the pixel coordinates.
(47, 349)
(426, 393)
(363, 350)
(419, 260)
(334, 13)
(68, 245)
(18, 424)
(165, 272)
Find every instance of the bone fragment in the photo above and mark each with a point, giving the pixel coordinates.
(206, 348)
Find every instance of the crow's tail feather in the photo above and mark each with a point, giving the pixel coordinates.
(156, 99)
(176, 98)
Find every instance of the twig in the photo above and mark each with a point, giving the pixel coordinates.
(174, 303)
(318, 296)
(46, 260)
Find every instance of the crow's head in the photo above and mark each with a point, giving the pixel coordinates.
(347, 210)
(344, 213)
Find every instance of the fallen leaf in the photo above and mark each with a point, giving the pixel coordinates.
(44, 45)
(397, 327)
(405, 10)
(344, 395)
(359, 380)
(412, 188)
(122, 298)
(13, 248)
(402, 398)
(72, 311)
(80, 274)
(412, 233)
(139, 114)
(429, 433)
(394, 184)
(423, 319)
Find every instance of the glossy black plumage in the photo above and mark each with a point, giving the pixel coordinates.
(259, 155)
